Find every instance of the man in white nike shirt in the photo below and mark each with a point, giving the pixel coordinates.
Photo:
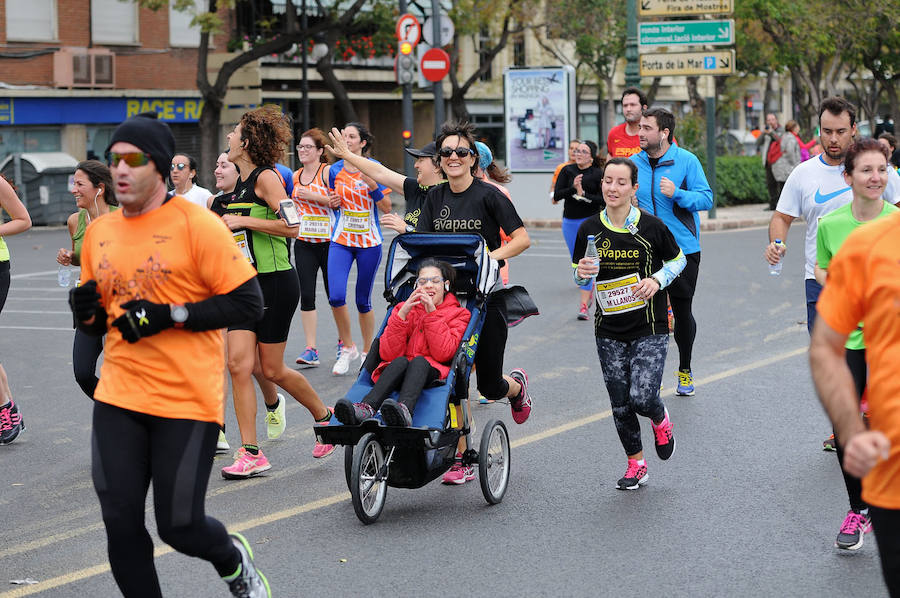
(816, 187)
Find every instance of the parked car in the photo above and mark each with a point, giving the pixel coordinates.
(735, 142)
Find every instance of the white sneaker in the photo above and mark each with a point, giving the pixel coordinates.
(222, 446)
(342, 366)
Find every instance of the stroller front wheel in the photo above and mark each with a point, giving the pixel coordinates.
(493, 461)
(368, 479)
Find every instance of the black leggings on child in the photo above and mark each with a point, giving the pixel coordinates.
(410, 376)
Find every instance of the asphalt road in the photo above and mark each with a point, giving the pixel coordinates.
(749, 505)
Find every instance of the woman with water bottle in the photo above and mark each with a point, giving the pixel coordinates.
(630, 257)
(92, 187)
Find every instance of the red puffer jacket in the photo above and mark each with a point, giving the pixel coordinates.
(434, 336)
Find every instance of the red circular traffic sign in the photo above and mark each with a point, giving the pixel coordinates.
(435, 64)
(409, 29)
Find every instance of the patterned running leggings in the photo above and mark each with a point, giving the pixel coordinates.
(633, 372)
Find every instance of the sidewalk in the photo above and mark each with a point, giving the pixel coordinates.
(731, 217)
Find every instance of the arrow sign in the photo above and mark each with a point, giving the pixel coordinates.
(435, 64)
(409, 29)
(710, 62)
(684, 8)
(686, 33)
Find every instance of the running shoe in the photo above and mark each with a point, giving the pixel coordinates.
(275, 419)
(521, 404)
(830, 444)
(342, 366)
(222, 445)
(309, 357)
(459, 474)
(246, 465)
(685, 383)
(665, 441)
(11, 423)
(583, 312)
(635, 476)
(395, 413)
(247, 581)
(352, 414)
(323, 450)
(855, 526)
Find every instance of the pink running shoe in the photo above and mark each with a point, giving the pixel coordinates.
(635, 476)
(323, 450)
(459, 474)
(665, 441)
(853, 531)
(520, 405)
(246, 465)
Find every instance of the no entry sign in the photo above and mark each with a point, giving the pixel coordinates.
(435, 64)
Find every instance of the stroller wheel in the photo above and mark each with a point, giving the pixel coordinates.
(493, 461)
(348, 464)
(367, 486)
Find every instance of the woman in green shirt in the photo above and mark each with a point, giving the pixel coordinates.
(866, 171)
(10, 420)
(92, 187)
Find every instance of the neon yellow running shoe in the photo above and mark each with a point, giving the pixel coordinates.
(275, 420)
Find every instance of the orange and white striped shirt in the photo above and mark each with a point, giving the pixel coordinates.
(357, 222)
(316, 220)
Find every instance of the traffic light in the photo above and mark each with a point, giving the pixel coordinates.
(406, 64)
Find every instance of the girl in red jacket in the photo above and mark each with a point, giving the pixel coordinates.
(416, 348)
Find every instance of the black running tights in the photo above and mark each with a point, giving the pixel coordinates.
(86, 350)
(129, 450)
(886, 523)
(856, 360)
(410, 376)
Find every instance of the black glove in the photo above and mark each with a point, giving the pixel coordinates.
(143, 318)
(85, 301)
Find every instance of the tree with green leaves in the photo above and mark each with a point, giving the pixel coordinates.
(596, 29)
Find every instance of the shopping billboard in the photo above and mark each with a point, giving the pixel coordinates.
(539, 117)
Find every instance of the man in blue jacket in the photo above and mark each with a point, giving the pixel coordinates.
(673, 187)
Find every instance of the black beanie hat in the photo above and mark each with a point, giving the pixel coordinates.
(151, 136)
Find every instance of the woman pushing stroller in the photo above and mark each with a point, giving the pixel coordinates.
(416, 348)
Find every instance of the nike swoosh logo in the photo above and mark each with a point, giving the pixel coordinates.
(829, 196)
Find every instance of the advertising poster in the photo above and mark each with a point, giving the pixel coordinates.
(538, 115)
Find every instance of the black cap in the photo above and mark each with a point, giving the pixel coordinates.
(152, 136)
(430, 150)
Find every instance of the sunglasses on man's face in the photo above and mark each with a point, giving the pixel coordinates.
(132, 159)
(461, 152)
(179, 166)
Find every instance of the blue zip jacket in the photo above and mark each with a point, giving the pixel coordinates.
(692, 193)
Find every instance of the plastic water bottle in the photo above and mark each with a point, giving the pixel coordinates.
(64, 276)
(591, 252)
(775, 269)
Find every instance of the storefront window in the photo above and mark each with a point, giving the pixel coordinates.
(15, 140)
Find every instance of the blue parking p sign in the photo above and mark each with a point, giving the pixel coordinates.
(709, 62)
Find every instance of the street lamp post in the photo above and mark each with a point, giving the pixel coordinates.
(632, 72)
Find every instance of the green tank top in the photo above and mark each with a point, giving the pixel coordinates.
(78, 237)
(4, 251)
(268, 253)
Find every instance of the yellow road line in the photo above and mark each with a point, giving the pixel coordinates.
(88, 572)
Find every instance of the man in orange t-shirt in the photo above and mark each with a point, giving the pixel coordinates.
(864, 285)
(622, 141)
(163, 276)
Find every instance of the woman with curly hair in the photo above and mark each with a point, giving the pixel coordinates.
(254, 146)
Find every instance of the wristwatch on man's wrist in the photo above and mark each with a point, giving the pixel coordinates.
(179, 314)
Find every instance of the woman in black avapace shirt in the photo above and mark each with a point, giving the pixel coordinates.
(578, 186)
(468, 205)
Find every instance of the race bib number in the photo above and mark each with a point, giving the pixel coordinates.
(615, 296)
(356, 222)
(317, 227)
(241, 237)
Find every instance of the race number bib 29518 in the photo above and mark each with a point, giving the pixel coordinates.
(355, 221)
(615, 296)
(241, 237)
